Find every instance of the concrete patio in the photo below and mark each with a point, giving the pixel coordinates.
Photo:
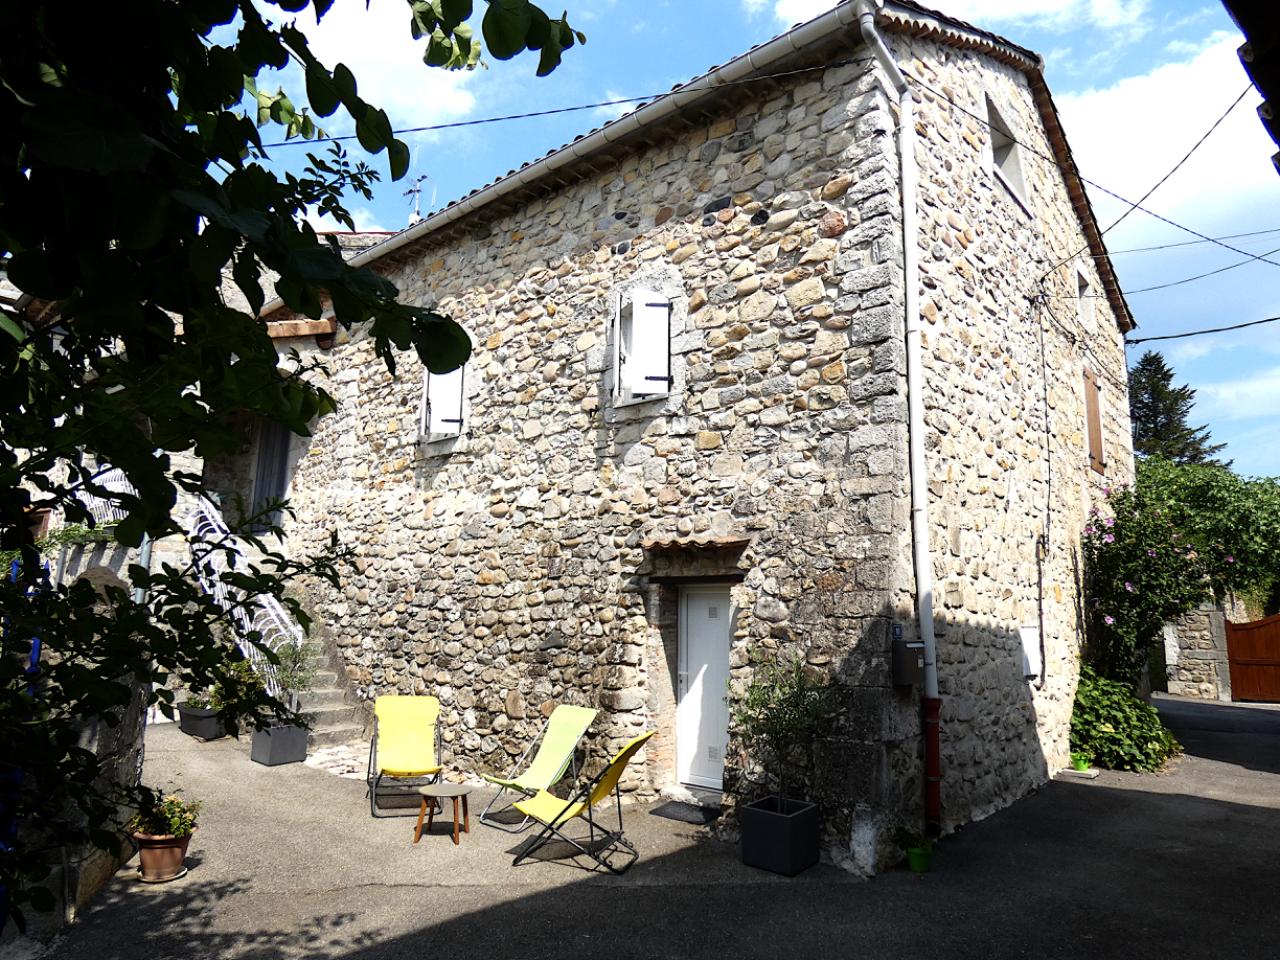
(288, 863)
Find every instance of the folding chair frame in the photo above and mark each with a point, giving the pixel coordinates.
(372, 780)
(616, 837)
(488, 821)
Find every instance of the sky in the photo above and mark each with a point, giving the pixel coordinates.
(1137, 82)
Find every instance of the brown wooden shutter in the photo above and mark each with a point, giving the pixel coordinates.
(1093, 415)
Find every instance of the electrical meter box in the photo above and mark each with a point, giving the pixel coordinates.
(908, 663)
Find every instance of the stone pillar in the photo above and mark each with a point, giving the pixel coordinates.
(1196, 654)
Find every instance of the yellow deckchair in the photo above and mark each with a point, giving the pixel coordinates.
(406, 742)
(557, 746)
(554, 813)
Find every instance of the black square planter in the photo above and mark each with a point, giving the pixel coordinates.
(277, 745)
(780, 835)
(200, 722)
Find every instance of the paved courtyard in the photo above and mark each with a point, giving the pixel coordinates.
(288, 863)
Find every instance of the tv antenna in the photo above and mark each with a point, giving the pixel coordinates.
(415, 191)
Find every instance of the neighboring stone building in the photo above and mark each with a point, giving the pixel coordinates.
(560, 521)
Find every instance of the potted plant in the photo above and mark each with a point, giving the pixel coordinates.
(780, 714)
(286, 742)
(1081, 760)
(919, 851)
(198, 715)
(162, 829)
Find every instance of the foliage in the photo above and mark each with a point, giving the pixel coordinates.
(71, 534)
(1116, 729)
(781, 712)
(133, 183)
(236, 680)
(1159, 412)
(1182, 535)
(910, 840)
(167, 816)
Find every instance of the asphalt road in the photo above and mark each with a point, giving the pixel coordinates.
(288, 864)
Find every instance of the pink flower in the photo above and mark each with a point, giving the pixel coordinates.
(1128, 586)
(1090, 530)
(1109, 522)
(1109, 538)
(1151, 553)
(1106, 491)
(1109, 620)
(1093, 511)
(1231, 559)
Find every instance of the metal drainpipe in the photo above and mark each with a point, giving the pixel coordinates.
(930, 702)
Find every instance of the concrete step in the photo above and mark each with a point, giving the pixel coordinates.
(332, 715)
(323, 697)
(325, 679)
(332, 736)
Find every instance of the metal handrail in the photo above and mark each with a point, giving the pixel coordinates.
(263, 614)
(106, 512)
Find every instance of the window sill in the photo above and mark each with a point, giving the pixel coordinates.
(1013, 192)
(441, 444)
(641, 401)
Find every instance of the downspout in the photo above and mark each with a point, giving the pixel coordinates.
(930, 702)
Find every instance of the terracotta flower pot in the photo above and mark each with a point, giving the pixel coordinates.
(160, 857)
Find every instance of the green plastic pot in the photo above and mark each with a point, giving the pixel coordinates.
(1080, 763)
(920, 859)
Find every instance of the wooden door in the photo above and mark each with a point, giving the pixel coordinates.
(1253, 652)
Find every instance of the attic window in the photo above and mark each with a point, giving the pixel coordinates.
(1006, 155)
(443, 410)
(1085, 298)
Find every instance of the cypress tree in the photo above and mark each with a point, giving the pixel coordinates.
(1159, 412)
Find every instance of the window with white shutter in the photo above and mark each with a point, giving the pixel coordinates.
(1085, 298)
(443, 403)
(643, 345)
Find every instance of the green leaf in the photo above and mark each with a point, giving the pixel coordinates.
(93, 136)
(439, 50)
(398, 157)
(455, 12)
(40, 274)
(345, 83)
(506, 26)
(321, 91)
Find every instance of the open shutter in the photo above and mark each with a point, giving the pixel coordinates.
(1093, 417)
(644, 356)
(442, 413)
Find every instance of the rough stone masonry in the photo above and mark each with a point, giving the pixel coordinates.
(529, 561)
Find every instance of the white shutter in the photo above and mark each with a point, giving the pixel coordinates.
(645, 350)
(443, 412)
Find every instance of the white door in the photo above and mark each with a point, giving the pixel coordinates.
(702, 715)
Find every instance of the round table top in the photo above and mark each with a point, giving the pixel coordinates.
(445, 790)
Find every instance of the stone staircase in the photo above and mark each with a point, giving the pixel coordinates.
(327, 706)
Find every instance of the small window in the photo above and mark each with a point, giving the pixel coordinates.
(1093, 421)
(1084, 301)
(443, 404)
(1006, 154)
(642, 368)
(271, 469)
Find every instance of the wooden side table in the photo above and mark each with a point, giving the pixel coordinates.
(442, 791)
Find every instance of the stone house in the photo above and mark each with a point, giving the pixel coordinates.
(819, 351)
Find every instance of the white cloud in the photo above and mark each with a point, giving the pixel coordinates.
(1255, 395)
(365, 219)
(387, 62)
(1130, 134)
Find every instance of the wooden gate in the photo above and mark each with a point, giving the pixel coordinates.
(1253, 651)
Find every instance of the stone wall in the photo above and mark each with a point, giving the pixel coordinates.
(518, 566)
(506, 571)
(1195, 654)
(1007, 452)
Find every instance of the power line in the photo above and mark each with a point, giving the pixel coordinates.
(1185, 157)
(1187, 243)
(1198, 276)
(1201, 333)
(1093, 183)
(583, 106)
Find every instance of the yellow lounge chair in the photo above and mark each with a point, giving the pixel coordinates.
(554, 812)
(406, 743)
(557, 745)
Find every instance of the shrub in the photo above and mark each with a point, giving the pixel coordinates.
(166, 816)
(782, 711)
(1116, 729)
